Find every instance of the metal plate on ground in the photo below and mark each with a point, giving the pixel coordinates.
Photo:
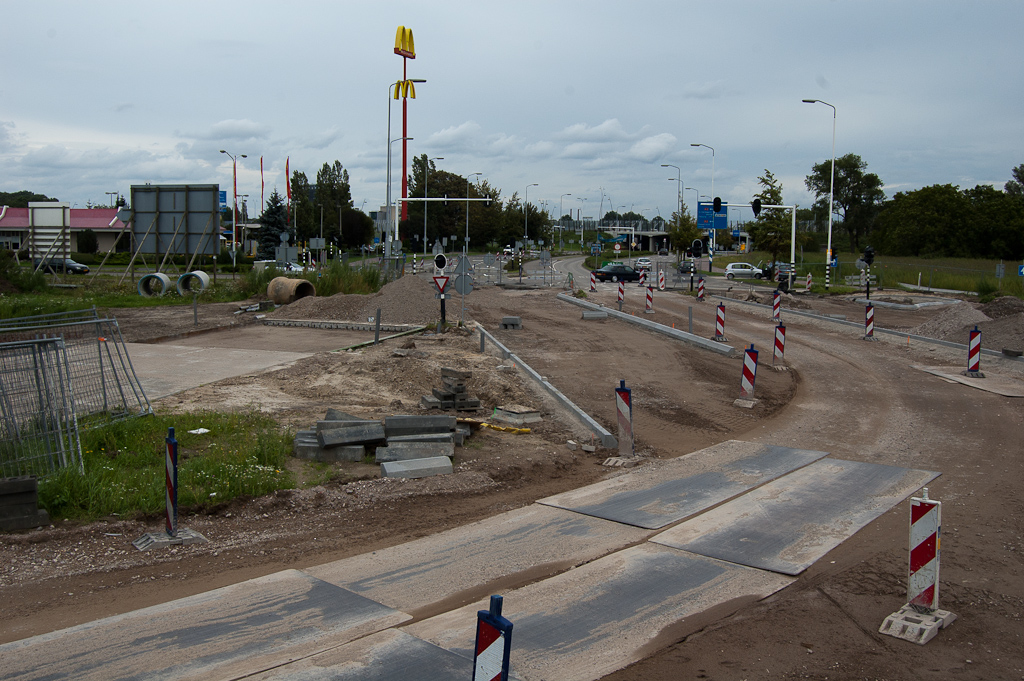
(387, 656)
(224, 633)
(789, 523)
(655, 496)
(602, 616)
(532, 541)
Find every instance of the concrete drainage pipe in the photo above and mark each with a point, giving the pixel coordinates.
(153, 285)
(283, 290)
(193, 282)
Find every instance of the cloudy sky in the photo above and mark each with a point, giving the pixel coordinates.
(587, 99)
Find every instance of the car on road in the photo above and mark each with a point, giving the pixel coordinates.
(686, 266)
(663, 251)
(742, 269)
(54, 265)
(617, 273)
(644, 264)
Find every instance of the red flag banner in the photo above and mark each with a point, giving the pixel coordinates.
(288, 185)
(262, 184)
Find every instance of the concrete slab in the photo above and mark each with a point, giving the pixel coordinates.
(472, 561)
(993, 383)
(657, 495)
(417, 468)
(166, 369)
(408, 451)
(225, 633)
(369, 433)
(386, 656)
(789, 523)
(604, 615)
(415, 425)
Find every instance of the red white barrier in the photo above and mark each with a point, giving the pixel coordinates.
(720, 323)
(700, 289)
(643, 278)
(650, 300)
(920, 619)
(593, 281)
(780, 344)
(869, 322)
(974, 354)
(493, 644)
(171, 479)
(776, 306)
(622, 291)
(661, 280)
(624, 409)
(749, 372)
(808, 281)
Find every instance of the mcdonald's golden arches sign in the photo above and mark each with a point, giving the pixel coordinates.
(404, 44)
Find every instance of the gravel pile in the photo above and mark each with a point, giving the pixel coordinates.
(1001, 323)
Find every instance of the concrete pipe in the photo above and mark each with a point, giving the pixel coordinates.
(283, 290)
(153, 285)
(193, 282)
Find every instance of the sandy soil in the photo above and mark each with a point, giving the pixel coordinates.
(855, 399)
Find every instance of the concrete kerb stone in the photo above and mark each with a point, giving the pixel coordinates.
(860, 326)
(607, 439)
(347, 326)
(369, 434)
(417, 468)
(410, 450)
(904, 306)
(704, 343)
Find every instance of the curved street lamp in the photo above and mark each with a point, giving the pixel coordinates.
(679, 192)
(234, 192)
(712, 164)
(831, 189)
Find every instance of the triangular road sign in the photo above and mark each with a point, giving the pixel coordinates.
(441, 283)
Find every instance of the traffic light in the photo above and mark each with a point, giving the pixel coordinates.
(717, 204)
(869, 254)
(756, 207)
(696, 248)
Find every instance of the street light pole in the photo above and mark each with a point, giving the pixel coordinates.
(712, 188)
(234, 193)
(679, 191)
(831, 190)
(426, 171)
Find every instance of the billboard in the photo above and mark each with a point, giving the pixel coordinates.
(181, 219)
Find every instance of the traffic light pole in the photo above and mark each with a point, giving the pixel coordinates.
(758, 207)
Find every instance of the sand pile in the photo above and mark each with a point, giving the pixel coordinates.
(407, 300)
(1001, 323)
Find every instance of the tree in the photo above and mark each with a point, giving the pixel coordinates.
(305, 221)
(772, 228)
(273, 222)
(332, 195)
(682, 230)
(87, 241)
(1015, 187)
(21, 199)
(857, 195)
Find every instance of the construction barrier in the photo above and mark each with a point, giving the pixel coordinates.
(776, 306)
(661, 280)
(650, 300)
(780, 345)
(749, 372)
(493, 644)
(700, 289)
(643, 278)
(720, 323)
(622, 291)
(624, 409)
(974, 354)
(593, 281)
(921, 619)
(808, 281)
(171, 461)
(869, 322)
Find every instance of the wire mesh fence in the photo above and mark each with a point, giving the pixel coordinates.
(95, 375)
(38, 424)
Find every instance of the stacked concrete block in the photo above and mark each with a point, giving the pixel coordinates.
(19, 504)
(511, 323)
(399, 425)
(362, 433)
(417, 468)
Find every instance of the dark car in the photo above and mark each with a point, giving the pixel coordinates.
(54, 265)
(617, 273)
(686, 266)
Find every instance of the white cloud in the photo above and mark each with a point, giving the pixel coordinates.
(654, 148)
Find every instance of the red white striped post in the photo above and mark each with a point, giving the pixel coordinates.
(622, 292)
(776, 306)
(780, 345)
(661, 280)
(493, 644)
(171, 479)
(650, 300)
(920, 619)
(974, 354)
(720, 323)
(700, 289)
(624, 410)
(869, 322)
(593, 281)
(749, 372)
(643, 278)
(808, 281)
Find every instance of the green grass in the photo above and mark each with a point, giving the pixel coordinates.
(243, 455)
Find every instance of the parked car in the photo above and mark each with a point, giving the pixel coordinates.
(742, 269)
(663, 251)
(54, 265)
(617, 273)
(686, 266)
(644, 264)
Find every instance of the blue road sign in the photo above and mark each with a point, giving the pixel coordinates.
(1020, 271)
(223, 198)
(707, 218)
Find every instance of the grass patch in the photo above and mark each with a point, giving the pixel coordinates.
(244, 455)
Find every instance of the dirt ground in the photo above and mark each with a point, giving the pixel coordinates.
(854, 399)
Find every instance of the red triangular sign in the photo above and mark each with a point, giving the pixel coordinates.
(441, 283)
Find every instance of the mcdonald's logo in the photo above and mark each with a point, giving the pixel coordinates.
(407, 88)
(404, 44)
